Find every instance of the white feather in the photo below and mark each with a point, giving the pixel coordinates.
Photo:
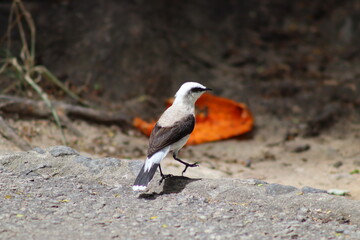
(183, 105)
(156, 158)
(139, 188)
(185, 88)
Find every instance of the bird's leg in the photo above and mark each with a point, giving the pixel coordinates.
(163, 176)
(185, 163)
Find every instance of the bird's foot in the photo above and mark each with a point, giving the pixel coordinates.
(189, 165)
(164, 176)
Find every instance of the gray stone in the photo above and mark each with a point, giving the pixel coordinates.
(256, 182)
(304, 210)
(82, 159)
(135, 166)
(307, 189)
(97, 165)
(278, 189)
(301, 218)
(58, 151)
(73, 197)
(337, 164)
(38, 150)
(301, 148)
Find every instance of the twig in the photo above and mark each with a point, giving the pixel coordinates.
(28, 107)
(23, 106)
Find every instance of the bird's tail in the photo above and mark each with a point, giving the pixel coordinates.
(144, 177)
(148, 170)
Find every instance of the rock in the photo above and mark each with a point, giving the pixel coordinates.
(38, 150)
(135, 166)
(255, 182)
(337, 164)
(301, 148)
(94, 194)
(277, 189)
(58, 151)
(312, 190)
(301, 218)
(82, 159)
(296, 147)
(97, 165)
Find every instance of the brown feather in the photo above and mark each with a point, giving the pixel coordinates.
(164, 136)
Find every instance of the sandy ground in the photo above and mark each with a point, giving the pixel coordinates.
(327, 162)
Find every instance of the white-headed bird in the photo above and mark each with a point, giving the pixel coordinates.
(170, 133)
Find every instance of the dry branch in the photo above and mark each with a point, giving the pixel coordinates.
(28, 107)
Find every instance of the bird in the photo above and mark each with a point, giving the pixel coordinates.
(170, 133)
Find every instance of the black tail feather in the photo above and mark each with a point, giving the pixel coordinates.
(144, 177)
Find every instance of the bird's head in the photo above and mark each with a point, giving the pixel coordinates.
(189, 92)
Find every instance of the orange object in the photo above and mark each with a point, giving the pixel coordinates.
(216, 119)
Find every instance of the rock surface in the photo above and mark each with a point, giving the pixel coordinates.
(69, 196)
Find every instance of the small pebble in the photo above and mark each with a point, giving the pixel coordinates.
(38, 150)
(301, 148)
(337, 164)
(301, 218)
(202, 217)
(278, 189)
(59, 151)
(312, 190)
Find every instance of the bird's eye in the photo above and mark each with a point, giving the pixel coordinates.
(197, 89)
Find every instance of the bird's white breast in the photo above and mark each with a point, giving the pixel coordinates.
(179, 144)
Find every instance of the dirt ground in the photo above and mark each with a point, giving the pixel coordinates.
(329, 161)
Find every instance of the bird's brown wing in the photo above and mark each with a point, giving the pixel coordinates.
(164, 136)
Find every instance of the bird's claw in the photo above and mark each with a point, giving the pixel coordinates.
(189, 165)
(164, 177)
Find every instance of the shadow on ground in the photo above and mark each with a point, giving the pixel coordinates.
(174, 184)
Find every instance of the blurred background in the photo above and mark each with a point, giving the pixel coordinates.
(280, 57)
(295, 64)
